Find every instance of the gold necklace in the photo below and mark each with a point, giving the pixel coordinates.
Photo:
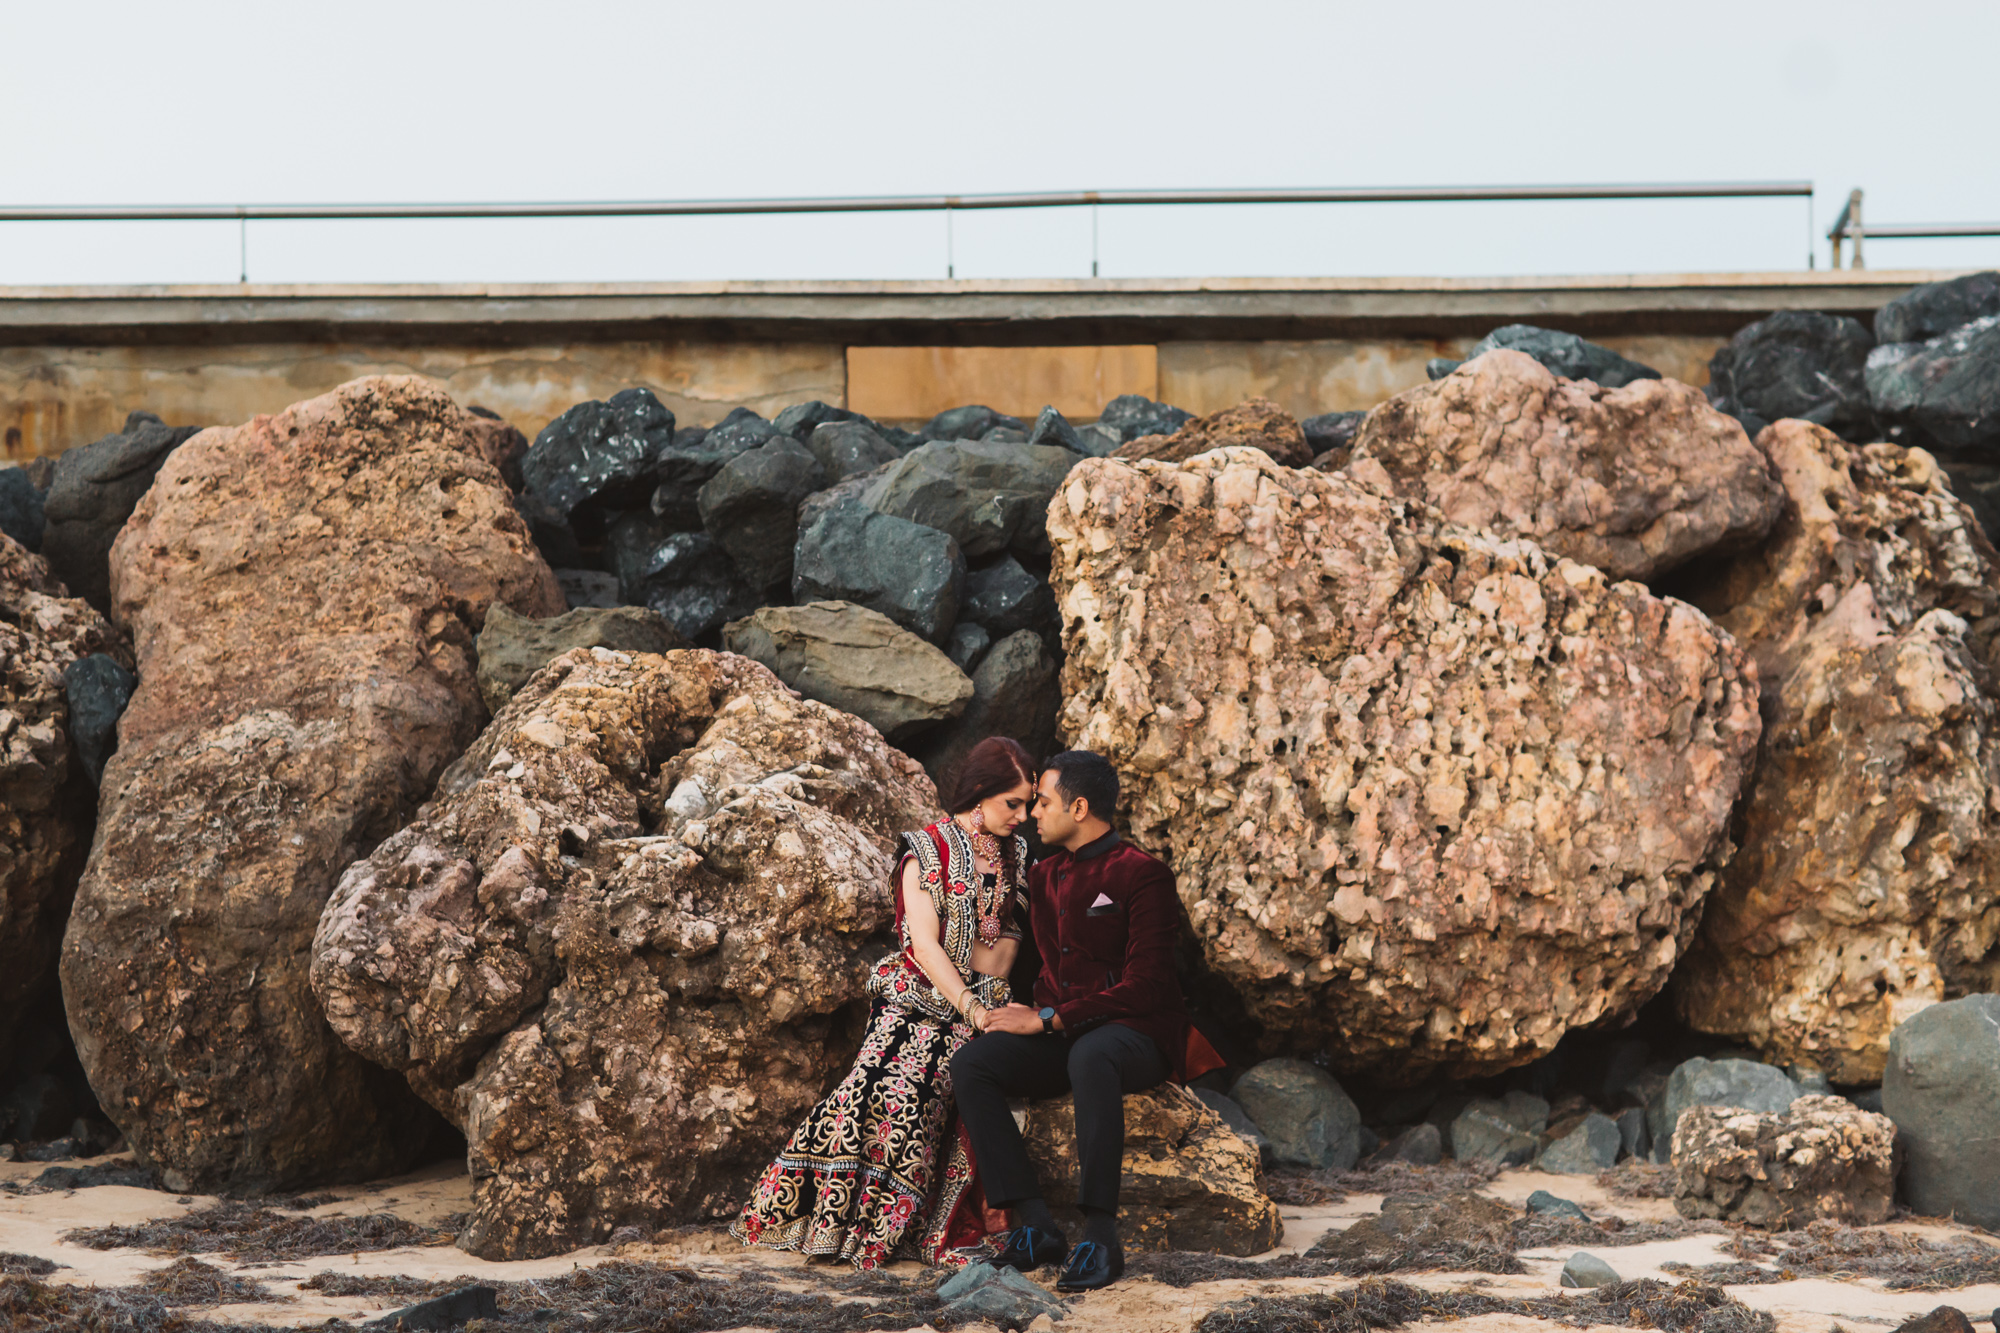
(984, 844)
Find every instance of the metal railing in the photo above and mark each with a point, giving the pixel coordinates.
(948, 204)
(1849, 227)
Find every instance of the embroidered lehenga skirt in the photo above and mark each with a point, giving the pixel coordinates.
(878, 1171)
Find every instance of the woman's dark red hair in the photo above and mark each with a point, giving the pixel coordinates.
(996, 764)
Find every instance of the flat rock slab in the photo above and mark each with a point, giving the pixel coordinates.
(303, 593)
(856, 660)
(1432, 798)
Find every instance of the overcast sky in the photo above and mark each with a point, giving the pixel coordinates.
(411, 101)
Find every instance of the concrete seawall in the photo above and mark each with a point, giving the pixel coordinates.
(75, 360)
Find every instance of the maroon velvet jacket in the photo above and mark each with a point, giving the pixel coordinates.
(1114, 964)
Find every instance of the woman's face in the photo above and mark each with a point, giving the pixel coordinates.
(1005, 811)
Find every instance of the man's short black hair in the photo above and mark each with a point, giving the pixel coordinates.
(1088, 776)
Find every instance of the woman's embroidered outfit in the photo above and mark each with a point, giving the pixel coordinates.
(881, 1169)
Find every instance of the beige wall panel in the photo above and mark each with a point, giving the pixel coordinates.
(1304, 378)
(916, 383)
(53, 398)
(1340, 375)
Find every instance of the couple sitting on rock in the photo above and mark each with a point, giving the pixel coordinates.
(916, 1154)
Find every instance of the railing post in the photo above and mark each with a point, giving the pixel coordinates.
(1854, 225)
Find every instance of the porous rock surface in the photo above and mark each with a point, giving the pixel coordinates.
(44, 800)
(1867, 884)
(622, 947)
(1432, 798)
(303, 592)
(1824, 1157)
(1254, 423)
(1187, 1180)
(1634, 480)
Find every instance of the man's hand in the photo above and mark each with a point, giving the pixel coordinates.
(1018, 1018)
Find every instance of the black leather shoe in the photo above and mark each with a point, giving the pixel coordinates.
(1092, 1265)
(1028, 1248)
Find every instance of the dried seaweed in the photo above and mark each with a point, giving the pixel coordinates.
(1531, 1233)
(27, 1265)
(192, 1282)
(247, 1231)
(1742, 1273)
(1177, 1268)
(1634, 1179)
(409, 1290)
(1901, 1262)
(1690, 1307)
(1299, 1188)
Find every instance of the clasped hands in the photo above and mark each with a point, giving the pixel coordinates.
(1017, 1018)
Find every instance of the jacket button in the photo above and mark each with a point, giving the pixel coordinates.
(1065, 948)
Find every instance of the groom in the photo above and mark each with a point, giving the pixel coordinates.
(1105, 917)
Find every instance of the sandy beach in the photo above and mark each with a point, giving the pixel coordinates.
(35, 1224)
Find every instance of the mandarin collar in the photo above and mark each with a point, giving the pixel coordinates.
(1096, 848)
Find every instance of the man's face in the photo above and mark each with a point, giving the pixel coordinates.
(1055, 823)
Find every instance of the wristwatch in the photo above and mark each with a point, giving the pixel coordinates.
(1048, 1018)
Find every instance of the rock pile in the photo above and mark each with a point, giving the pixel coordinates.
(622, 947)
(46, 797)
(302, 593)
(1865, 886)
(1434, 798)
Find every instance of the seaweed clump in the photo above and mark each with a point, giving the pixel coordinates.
(1299, 1188)
(249, 1232)
(188, 1281)
(1690, 1307)
(1829, 1249)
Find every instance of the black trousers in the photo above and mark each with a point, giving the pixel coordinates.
(1099, 1067)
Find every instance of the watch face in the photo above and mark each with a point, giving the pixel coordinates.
(1048, 1012)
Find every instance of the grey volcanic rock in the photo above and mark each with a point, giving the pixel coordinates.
(1419, 1145)
(623, 946)
(1564, 354)
(751, 506)
(1544, 1204)
(1874, 614)
(997, 1295)
(95, 488)
(910, 573)
(1134, 415)
(1051, 427)
(856, 660)
(684, 467)
(1331, 431)
(989, 497)
(20, 508)
(1304, 1112)
(1634, 480)
(968, 643)
(1820, 1158)
(1796, 363)
(1589, 1148)
(1744, 1084)
(303, 592)
(513, 647)
(1936, 308)
(599, 452)
(800, 420)
(1944, 394)
(1005, 598)
(594, 587)
(45, 797)
(967, 423)
(1279, 664)
(1016, 692)
(1942, 1090)
(97, 687)
(684, 576)
(1586, 1270)
(1233, 1115)
(849, 448)
(1504, 1131)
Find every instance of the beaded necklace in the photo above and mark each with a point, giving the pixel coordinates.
(990, 893)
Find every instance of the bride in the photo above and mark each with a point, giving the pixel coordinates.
(880, 1169)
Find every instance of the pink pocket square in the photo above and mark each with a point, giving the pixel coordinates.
(1103, 900)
